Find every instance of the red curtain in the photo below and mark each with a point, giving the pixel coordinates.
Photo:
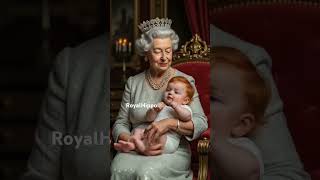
(197, 14)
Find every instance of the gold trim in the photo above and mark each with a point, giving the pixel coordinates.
(179, 62)
(193, 49)
(218, 7)
(203, 151)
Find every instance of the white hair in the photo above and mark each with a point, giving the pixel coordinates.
(144, 43)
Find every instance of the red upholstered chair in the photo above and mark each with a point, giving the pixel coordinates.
(193, 59)
(290, 32)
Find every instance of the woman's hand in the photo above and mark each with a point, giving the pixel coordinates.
(157, 129)
(151, 150)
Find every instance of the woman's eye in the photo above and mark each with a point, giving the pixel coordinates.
(157, 51)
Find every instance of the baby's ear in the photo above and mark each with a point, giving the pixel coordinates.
(186, 100)
(244, 125)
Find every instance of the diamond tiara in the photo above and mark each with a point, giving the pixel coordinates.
(147, 25)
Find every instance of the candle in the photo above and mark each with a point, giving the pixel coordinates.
(119, 44)
(124, 47)
(129, 47)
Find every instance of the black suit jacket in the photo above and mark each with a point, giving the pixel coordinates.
(76, 105)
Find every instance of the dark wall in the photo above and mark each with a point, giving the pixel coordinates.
(27, 52)
(177, 13)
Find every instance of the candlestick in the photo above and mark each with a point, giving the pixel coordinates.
(117, 47)
(124, 65)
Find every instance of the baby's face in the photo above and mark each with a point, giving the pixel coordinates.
(176, 91)
(228, 101)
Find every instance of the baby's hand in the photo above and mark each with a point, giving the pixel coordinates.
(159, 106)
(173, 104)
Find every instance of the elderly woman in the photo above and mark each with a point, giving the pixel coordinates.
(156, 44)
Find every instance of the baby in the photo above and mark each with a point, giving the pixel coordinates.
(176, 98)
(239, 99)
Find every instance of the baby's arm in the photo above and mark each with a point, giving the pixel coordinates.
(184, 114)
(152, 113)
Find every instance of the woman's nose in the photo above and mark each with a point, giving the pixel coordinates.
(162, 59)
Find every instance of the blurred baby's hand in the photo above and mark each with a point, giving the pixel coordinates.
(173, 104)
(159, 106)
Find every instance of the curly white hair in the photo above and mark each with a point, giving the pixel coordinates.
(144, 43)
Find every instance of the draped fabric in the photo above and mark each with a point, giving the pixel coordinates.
(197, 14)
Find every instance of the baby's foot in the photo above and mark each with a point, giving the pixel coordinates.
(124, 146)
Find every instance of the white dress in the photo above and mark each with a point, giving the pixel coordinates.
(173, 138)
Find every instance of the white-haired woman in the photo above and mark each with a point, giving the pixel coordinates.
(156, 44)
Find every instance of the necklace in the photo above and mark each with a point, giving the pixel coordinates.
(163, 81)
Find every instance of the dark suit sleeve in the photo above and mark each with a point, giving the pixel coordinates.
(44, 161)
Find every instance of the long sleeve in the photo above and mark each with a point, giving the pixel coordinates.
(199, 119)
(280, 158)
(44, 161)
(122, 123)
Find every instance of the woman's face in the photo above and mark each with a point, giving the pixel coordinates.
(160, 54)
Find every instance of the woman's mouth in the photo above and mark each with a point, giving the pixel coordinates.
(163, 64)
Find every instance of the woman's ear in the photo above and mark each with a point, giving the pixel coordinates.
(244, 125)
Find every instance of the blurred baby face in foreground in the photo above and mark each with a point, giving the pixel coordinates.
(229, 101)
(240, 95)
